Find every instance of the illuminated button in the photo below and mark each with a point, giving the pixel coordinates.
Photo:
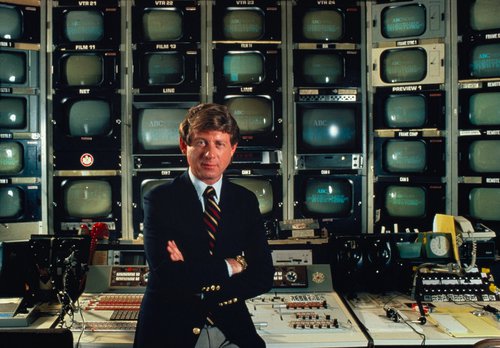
(212, 287)
(196, 330)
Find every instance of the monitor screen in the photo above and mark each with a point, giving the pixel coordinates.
(403, 65)
(11, 22)
(11, 202)
(405, 156)
(14, 67)
(328, 129)
(243, 23)
(484, 15)
(243, 68)
(403, 21)
(162, 24)
(83, 69)
(11, 158)
(87, 198)
(158, 129)
(405, 201)
(322, 68)
(13, 112)
(254, 115)
(262, 189)
(405, 111)
(484, 203)
(323, 25)
(83, 25)
(484, 156)
(15, 269)
(485, 61)
(328, 197)
(484, 109)
(89, 117)
(149, 184)
(164, 68)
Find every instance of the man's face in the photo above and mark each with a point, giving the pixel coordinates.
(209, 154)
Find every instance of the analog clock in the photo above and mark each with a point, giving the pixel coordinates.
(438, 245)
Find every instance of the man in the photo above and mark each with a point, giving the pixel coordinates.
(197, 284)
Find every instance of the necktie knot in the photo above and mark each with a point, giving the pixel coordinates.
(209, 192)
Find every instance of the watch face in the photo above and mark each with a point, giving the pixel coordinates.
(439, 245)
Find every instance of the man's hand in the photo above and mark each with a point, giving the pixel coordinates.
(173, 250)
(235, 266)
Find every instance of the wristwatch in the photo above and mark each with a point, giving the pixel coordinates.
(241, 260)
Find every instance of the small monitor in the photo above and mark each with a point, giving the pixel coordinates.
(328, 197)
(262, 189)
(13, 112)
(484, 156)
(327, 129)
(14, 68)
(403, 21)
(405, 201)
(89, 117)
(323, 24)
(162, 24)
(405, 156)
(405, 111)
(243, 68)
(87, 198)
(403, 65)
(322, 68)
(11, 202)
(243, 23)
(16, 269)
(485, 61)
(83, 69)
(484, 15)
(11, 158)
(83, 25)
(484, 109)
(149, 184)
(484, 203)
(254, 114)
(158, 129)
(164, 68)
(11, 22)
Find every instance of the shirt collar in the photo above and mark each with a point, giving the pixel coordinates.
(200, 186)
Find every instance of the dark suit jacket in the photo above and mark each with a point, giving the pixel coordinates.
(173, 310)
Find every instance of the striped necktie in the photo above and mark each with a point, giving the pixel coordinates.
(211, 217)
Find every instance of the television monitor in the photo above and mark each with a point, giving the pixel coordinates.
(155, 22)
(333, 199)
(409, 110)
(325, 22)
(326, 68)
(19, 158)
(86, 122)
(238, 21)
(85, 69)
(18, 68)
(19, 22)
(255, 70)
(18, 113)
(477, 19)
(74, 26)
(20, 202)
(409, 156)
(87, 200)
(408, 20)
(417, 64)
(16, 268)
(409, 205)
(481, 203)
(485, 61)
(479, 109)
(259, 119)
(328, 128)
(478, 156)
(167, 71)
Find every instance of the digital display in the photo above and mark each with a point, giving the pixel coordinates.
(405, 111)
(405, 201)
(91, 117)
(87, 198)
(484, 203)
(164, 68)
(162, 24)
(262, 189)
(254, 115)
(322, 68)
(323, 25)
(484, 109)
(243, 68)
(403, 156)
(11, 22)
(83, 25)
(11, 202)
(484, 156)
(14, 67)
(11, 158)
(243, 24)
(158, 129)
(13, 113)
(485, 61)
(403, 21)
(328, 197)
(403, 65)
(83, 69)
(484, 15)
